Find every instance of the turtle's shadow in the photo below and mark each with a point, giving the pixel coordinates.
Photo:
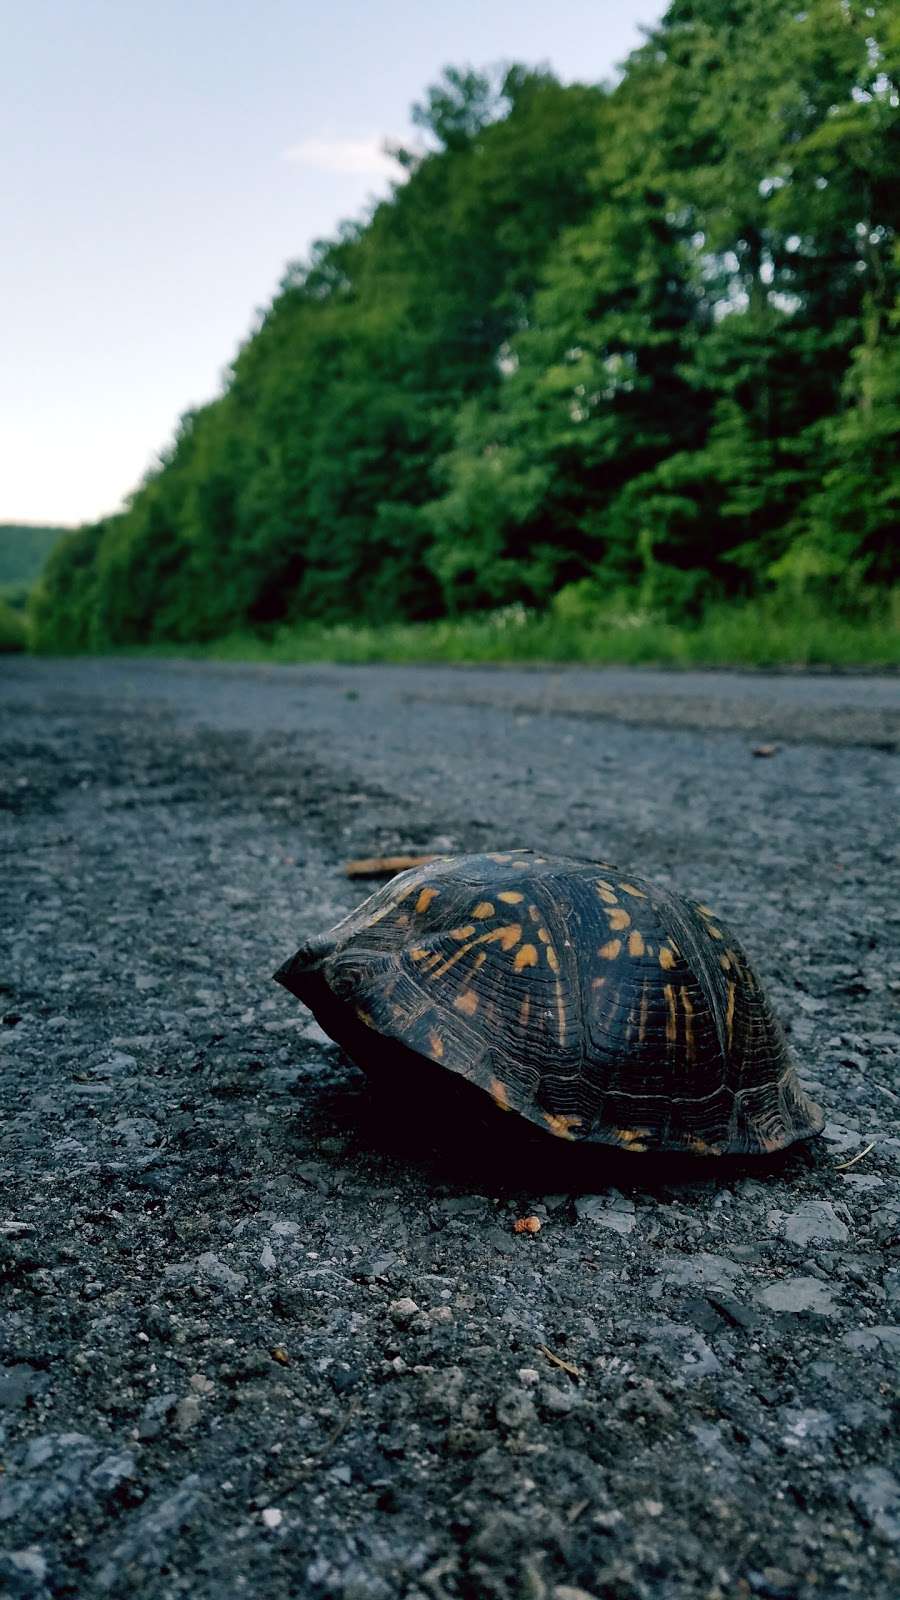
(454, 1139)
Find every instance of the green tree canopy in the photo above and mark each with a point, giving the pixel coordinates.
(644, 337)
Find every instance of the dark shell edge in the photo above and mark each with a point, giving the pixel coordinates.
(374, 1051)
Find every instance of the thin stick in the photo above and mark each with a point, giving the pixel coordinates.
(558, 1361)
(843, 1165)
(385, 866)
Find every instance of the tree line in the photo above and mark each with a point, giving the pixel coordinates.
(24, 548)
(628, 346)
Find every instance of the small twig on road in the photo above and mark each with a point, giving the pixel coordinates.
(843, 1165)
(385, 866)
(558, 1361)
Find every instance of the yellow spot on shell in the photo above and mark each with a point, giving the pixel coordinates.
(365, 1017)
(707, 910)
(385, 911)
(598, 983)
(502, 859)
(483, 909)
(714, 933)
(417, 953)
(610, 950)
(618, 918)
(507, 937)
(552, 958)
(725, 962)
(425, 899)
(467, 1002)
(729, 1012)
(435, 1044)
(635, 943)
(671, 1014)
(525, 1011)
(499, 1094)
(543, 935)
(606, 895)
(438, 972)
(629, 888)
(666, 957)
(526, 956)
(561, 1126)
(479, 961)
(511, 896)
(463, 933)
(688, 1023)
(631, 1138)
(605, 887)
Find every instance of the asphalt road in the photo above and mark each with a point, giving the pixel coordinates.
(265, 1332)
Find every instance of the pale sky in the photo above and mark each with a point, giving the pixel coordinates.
(162, 162)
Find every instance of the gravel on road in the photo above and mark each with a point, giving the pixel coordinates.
(265, 1332)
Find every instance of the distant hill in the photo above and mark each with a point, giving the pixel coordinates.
(24, 547)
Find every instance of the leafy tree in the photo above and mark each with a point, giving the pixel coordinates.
(64, 603)
(643, 341)
(24, 547)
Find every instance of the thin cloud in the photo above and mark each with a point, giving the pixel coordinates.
(362, 157)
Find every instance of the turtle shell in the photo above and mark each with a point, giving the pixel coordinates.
(599, 1006)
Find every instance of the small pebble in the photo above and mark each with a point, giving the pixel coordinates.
(401, 1312)
(557, 1400)
(514, 1408)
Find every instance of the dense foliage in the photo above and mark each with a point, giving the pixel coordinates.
(628, 348)
(24, 547)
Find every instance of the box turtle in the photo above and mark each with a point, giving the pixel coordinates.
(598, 1006)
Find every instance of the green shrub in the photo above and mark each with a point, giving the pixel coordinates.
(13, 628)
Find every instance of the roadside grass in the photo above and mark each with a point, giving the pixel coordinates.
(751, 635)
